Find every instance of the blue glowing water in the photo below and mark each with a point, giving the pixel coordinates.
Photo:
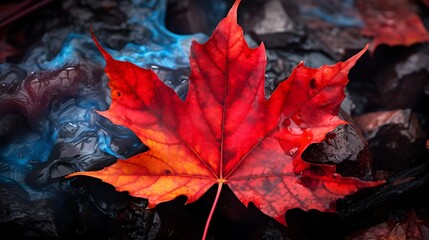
(66, 100)
(163, 48)
(345, 18)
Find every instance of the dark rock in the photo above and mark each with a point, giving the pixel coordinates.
(107, 17)
(22, 218)
(273, 26)
(277, 24)
(335, 24)
(49, 126)
(281, 63)
(138, 222)
(313, 225)
(179, 221)
(247, 222)
(405, 189)
(341, 42)
(347, 148)
(9, 123)
(182, 14)
(395, 138)
(274, 19)
(288, 43)
(11, 78)
(274, 232)
(21, 33)
(40, 89)
(91, 205)
(402, 83)
(231, 220)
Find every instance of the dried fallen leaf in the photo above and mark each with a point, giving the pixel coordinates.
(392, 23)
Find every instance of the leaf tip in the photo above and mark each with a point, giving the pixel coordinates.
(281, 219)
(358, 55)
(103, 51)
(232, 14)
(361, 52)
(107, 114)
(371, 47)
(73, 174)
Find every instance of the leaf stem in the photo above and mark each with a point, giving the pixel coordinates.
(206, 228)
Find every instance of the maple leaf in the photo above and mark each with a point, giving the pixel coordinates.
(392, 23)
(226, 131)
(412, 227)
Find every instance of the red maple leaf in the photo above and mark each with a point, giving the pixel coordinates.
(226, 131)
(392, 23)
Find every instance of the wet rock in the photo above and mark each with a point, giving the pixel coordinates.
(281, 63)
(138, 222)
(405, 189)
(181, 15)
(50, 128)
(395, 138)
(176, 79)
(287, 41)
(106, 16)
(22, 218)
(410, 226)
(347, 148)
(276, 23)
(273, 26)
(246, 222)
(403, 83)
(11, 78)
(342, 42)
(139, 22)
(231, 220)
(9, 123)
(21, 33)
(274, 231)
(91, 205)
(274, 20)
(83, 150)
(334, 24)
(179, 221)
(40, 89)
(313, 225)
